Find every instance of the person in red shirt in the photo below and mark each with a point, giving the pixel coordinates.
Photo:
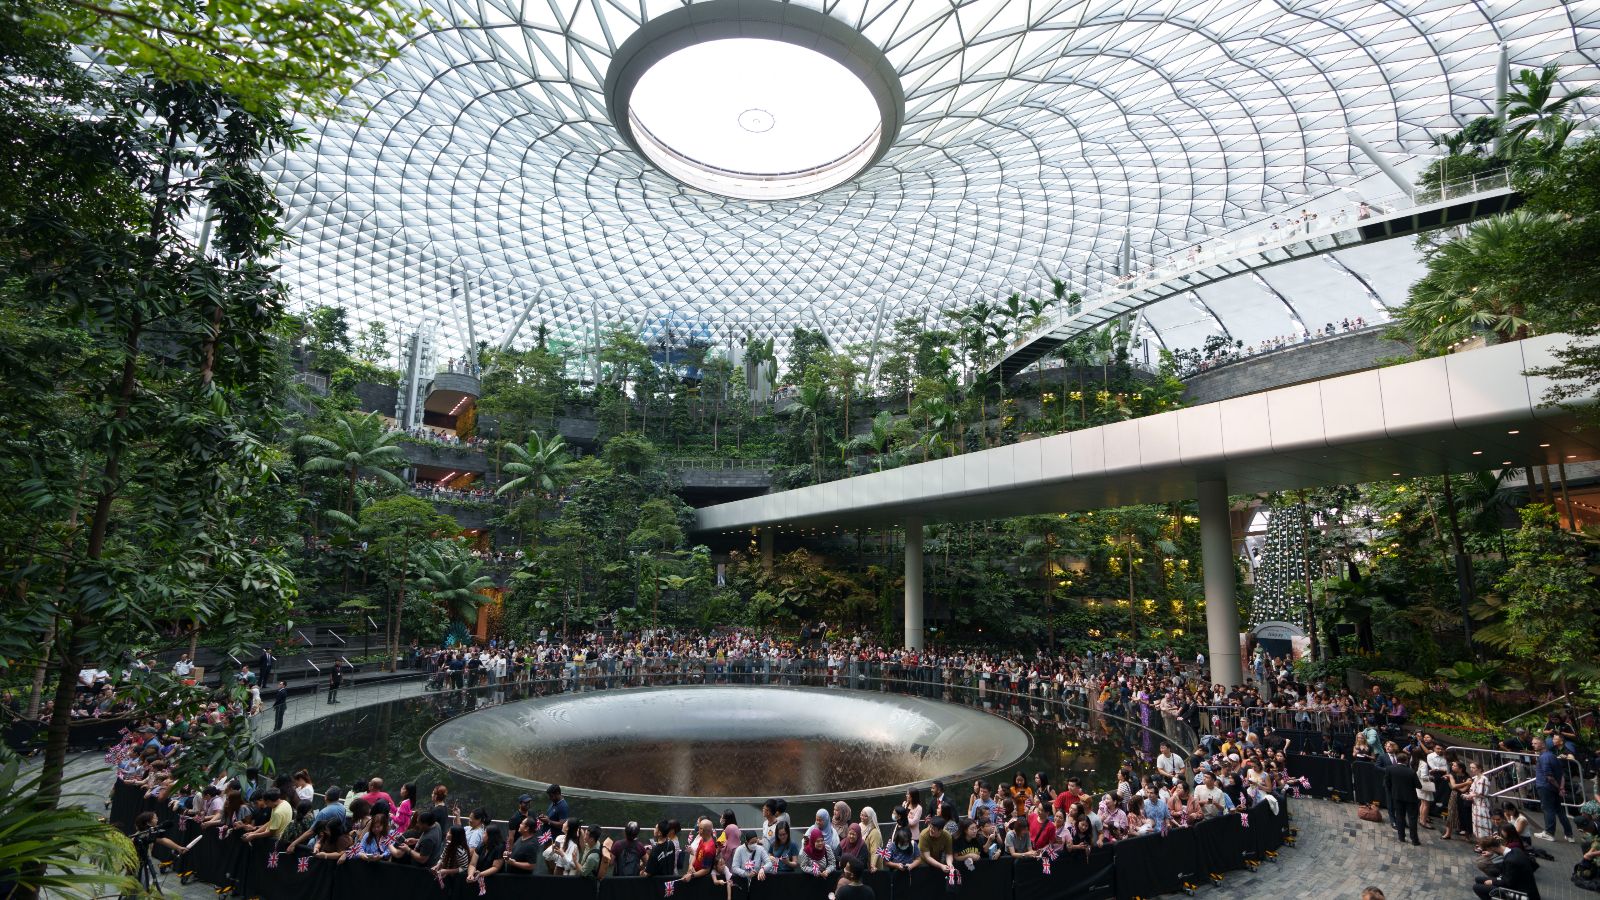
(375, 793)
(1071, 795)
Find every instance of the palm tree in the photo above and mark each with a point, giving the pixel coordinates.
(877, 440)
(361, 447)
(542, 468)
(808, 407)
(454, 581)
(1478, 681)
(1475, 282)
(1532, 107)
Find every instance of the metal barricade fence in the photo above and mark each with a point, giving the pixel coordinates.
(1512, 776)
(1322, 719)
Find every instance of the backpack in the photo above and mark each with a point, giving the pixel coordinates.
(627, 858)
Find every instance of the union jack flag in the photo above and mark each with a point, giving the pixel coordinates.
(1045, 862)
(953, 878)
(483, 886)
(304, 865)
(668, 888)
(884, 852)
(272, 860)
(439, 877)
(1244, 820)
(544, 838)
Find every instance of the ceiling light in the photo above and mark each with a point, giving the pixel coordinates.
(1513, 431)
(1544, 445)
(1477, 453)
(1506, 463)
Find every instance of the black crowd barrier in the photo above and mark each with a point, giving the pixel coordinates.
(1346, 779)
(1141, 867)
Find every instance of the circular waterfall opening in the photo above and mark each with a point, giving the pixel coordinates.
(727, 743)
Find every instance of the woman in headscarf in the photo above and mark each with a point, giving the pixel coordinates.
(730, 838)
(873, 835)
(830, 836)
(841, 821)
(852, 847)
(817, 858)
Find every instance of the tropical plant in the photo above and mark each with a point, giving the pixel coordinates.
(1532, 107)
(1551, 600)
(879, 439)
(453, 580)
(542, 467)
(66, 852)
(398, 531)
(1478, 681)
(358, 446)
(1479, 282)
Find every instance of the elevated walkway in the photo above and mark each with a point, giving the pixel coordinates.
(1261, 247)
(1469, 411)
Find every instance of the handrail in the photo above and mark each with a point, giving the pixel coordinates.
(712, 463)
(1536, 708)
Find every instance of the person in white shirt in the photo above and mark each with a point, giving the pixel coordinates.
(1168, 764)
(184, 667)
(1213, 801)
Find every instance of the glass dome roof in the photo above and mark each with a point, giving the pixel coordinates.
(1036, 138)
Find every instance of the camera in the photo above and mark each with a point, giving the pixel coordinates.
(143, 839)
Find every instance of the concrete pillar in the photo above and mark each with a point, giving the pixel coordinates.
(1216, 556)
(914, 584)
(766, 550)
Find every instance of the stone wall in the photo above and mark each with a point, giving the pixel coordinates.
(729, 479)
(1293, 365)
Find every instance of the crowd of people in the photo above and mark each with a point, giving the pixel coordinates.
(1240, 350)
(1025, 818)
(440, 493)
(433, 435)
(1226, 750)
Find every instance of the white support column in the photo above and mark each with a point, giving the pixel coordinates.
(1502, 87)
(471, 356)
(1383, 164)
(1216, 556)
(913, 605)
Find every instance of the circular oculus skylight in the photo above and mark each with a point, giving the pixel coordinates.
(755, 119)
(753, 99)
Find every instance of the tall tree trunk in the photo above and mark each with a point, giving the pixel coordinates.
(1463, 566)
(41, 671)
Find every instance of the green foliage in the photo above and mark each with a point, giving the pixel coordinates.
(145, 363)
(1552, 604)
(266, 56)
(63, 852)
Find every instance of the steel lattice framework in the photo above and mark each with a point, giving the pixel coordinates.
(1037, 134)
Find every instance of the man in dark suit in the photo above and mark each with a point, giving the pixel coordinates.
(1516, 870)
(335, 678)
(264, 665)
(280, 704)
(1401, 781)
